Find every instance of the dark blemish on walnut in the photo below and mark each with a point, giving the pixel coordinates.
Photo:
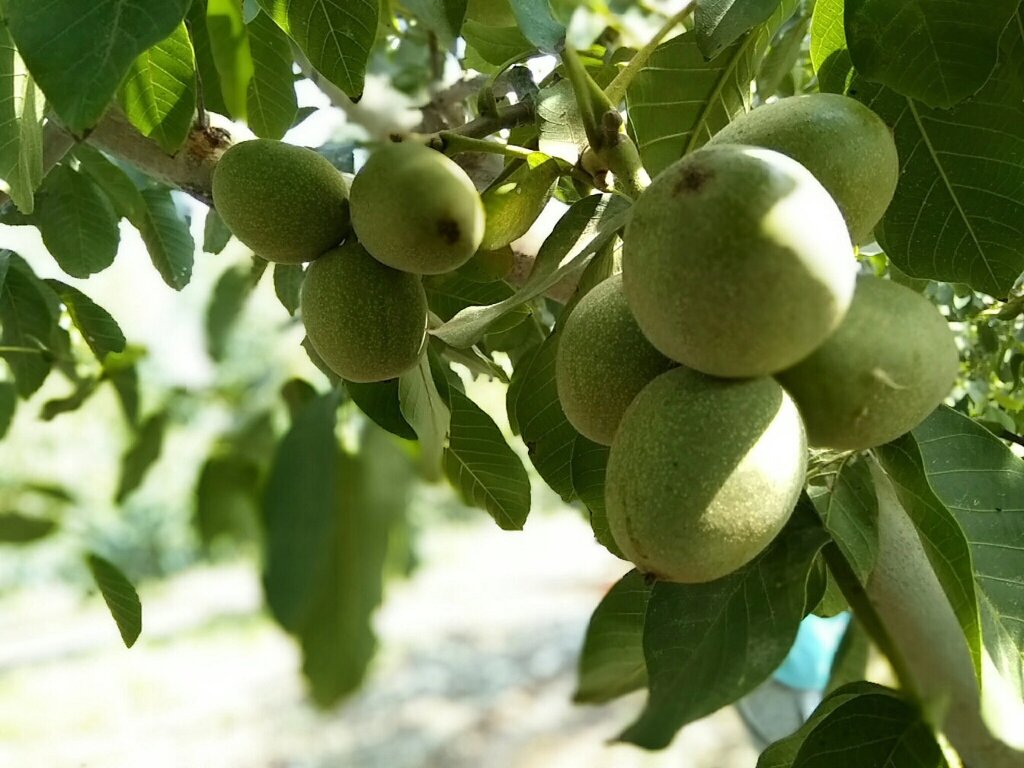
(449, 231)
(692, 180)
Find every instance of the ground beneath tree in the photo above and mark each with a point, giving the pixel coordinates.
(477, 671)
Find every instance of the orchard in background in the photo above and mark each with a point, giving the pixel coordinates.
(772, 346)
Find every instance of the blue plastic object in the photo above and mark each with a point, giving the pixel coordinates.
(810, 659)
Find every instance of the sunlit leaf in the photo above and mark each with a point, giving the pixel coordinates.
(120, 597)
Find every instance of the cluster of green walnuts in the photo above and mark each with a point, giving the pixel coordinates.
(411, 211)
(740, 331)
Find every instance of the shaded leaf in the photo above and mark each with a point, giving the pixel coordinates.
(425, 411)
(612, 660)
(216, 234)
(120, 190)
(951, 58)
(159, 93)
(120, 370)
(120, 597)
(443, 17)
(708, 644)
(981, 482)
(782, 753)
(16, 528)
(167, 237)
(288, 285)
(379, 400)
(680, 100)
(100, 331)
(782, 57)
(956, 215)
(228, 300)
(84, 389)
(589, 463)
(496, 45)
(829, 54)
(141, 455)
(941, 536)
(213, 98)
(877, 728)
(539, 25)
(28, 324)
(21, 132)
(849, 509)
(449, 294)
(719, 23)
(8, 404)
(77, 222)
(80, 57)
(584, 230)
(227, 498)
(231, 54)
(335, 36)
(482, 467)
(270, 96)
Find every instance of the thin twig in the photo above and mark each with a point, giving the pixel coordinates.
(616, 90)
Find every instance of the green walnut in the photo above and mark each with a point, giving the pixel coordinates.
(603, 362)
(890, 363)
(737, 262)
(843, 143)
(414, 209)
(367, 321)
(287, 203)
(703, 473)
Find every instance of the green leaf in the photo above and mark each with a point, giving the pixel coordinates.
(927, 50)
(21, 132)
(216, 234)
(336, 37)
(612, 660)
(449, 294)
(561, 128)
(829, 55)
(120, 370)
(849, 509)
(8, 404)
(956, 215)
(379, 400)
(708, 644)
(337, 639)
(27, 323)
(84, 389)
(425, 411)
(482, 467)
(77, 222)
(270, 97)
(782, 753)
(581, 232)
(327, 515)
(167, 237)
(981, 482)
(877, 728)
(298, 511)
(443, 17)
(159, 93)
(782, 57)
(228, 300)
(288, 285)
(589, 462)
(513, 203)
(80, 56)
(539, 25)
(16, 528)
(231, 54)
(680, 100)
(141, 455)
(496, 45)
(202, 45)
(227, 497)
(100, 331)
(120, 190)
(120, 597)
(719, 23)
(941, 536)
(536, 413)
